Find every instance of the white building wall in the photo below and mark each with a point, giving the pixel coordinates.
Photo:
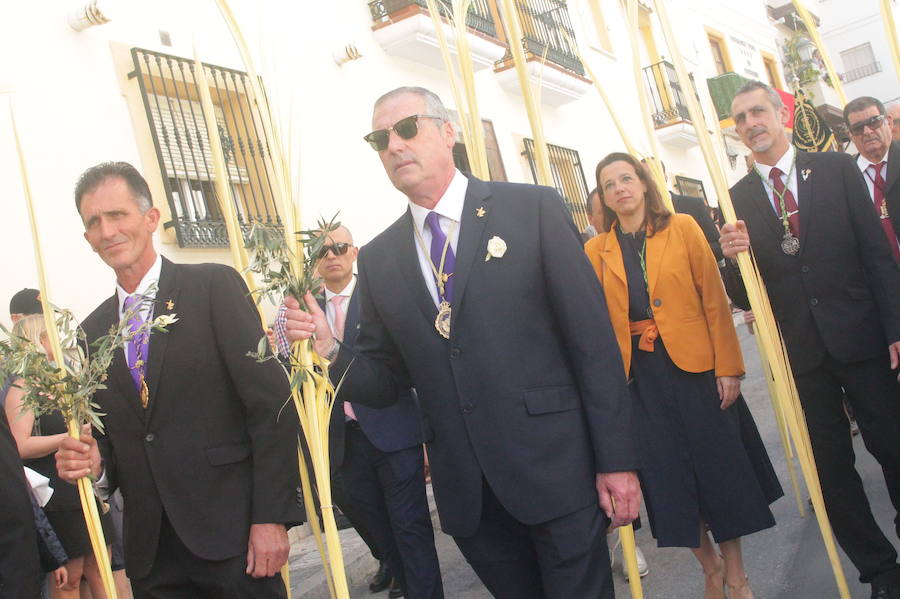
(73, 111)
(847, 24)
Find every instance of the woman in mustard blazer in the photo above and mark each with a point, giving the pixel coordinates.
(681, 354)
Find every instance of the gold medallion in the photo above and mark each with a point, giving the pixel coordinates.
(442, 321)
(145, 393)
(790, 245)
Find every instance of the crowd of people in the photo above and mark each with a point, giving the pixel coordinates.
(555, 384)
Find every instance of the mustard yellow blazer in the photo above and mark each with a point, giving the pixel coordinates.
(689, 303)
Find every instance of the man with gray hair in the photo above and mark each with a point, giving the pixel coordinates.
(477, 296)
(192, 432)
(833, 286)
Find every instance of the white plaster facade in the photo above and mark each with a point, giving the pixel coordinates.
(847, 25)
(75, 107)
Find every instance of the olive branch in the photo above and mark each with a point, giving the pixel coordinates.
(68, 386)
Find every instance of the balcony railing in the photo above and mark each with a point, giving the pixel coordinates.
(169, 87)
(547, 27)
(666, 96)
(860, 72)
(479, 17)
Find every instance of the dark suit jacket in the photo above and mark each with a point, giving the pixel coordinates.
(840, 293)
(393, 428)
(697, 209)
(19, 564)
(211, 450)
(892, 185)
(529, 392)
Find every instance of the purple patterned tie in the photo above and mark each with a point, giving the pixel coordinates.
(136, 352)
(438, 239)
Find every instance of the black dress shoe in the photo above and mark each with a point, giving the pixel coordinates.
(884, 591)
(397, 591)
(382, 578)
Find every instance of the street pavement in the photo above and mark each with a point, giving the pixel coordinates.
(785, 562)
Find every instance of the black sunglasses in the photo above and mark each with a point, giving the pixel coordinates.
(872, 123)
(338, 249)
(406, 128)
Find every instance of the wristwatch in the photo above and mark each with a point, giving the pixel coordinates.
(333, 352)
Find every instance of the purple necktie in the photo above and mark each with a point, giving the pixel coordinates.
(136, 352)
(438, 239)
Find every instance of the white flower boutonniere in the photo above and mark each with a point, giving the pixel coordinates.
(496, 247)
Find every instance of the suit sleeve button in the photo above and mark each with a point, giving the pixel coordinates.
(149, 438)
(804, 269)
(814, 302)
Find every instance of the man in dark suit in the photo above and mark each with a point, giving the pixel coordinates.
(833, 286)
(192, 431)
(476, 297)
(377, 455)
(879, 161)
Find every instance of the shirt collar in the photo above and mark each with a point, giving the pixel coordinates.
(784, 163)
(449, 206)
(863, 163)
(150, 278)
(346, 291)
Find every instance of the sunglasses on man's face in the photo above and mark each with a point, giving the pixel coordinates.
(337, 249)
(872, 123)
(406, 128)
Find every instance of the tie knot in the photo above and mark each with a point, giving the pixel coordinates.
(775, 173)
(337, 300)
(433, 222)
(876, 168)
(133, 301)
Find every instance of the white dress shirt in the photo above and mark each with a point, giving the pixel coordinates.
(863, 163)
(449, 209)
(329, 306)
(151, 279)
(784, 163)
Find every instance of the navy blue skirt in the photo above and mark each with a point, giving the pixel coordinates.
(697, 461)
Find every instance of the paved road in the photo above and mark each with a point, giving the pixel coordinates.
(785, 562)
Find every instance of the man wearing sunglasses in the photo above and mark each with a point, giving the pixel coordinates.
(377, 455)
(879, 160)
(481, 297)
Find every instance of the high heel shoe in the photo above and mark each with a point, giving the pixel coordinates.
(715, 583)
(740, 591)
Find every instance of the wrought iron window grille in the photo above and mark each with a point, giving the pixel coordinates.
(568, 179)
(168, 86)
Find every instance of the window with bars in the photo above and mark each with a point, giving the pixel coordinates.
(169, 90)
(859, 62)
(568, 179)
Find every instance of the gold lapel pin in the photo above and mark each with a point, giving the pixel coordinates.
(170, 305)
(480, 212)
(805, 173)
